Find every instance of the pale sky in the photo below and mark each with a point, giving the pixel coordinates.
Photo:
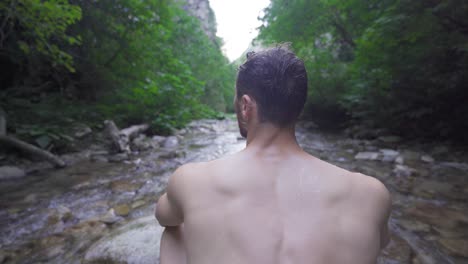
(237, 22)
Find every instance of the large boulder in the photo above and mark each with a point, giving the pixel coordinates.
(135, 242)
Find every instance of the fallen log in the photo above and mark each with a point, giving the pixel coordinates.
(26, 147)
(114, 134)
(121, 138)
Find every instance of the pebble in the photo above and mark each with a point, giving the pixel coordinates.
(399, 160)
(367, 156)
(427, 158)
(138, 203)
(110, 217)
(124, 186)
(122, 209)
(403, 171)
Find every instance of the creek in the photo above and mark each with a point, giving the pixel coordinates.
(58, 216)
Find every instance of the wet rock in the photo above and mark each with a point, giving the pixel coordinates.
(136, 242)
(451, 232)
(55, 245)
(397, 251)
(409, 155)
(455, 247)
(403, 171)
(158, 139)
(58, 215)
(73, 158)
(86, 231)
(99, 158)
(110, 217)
(389, 155)
(168, 155)
(374, 170)
(81, 185)
(43, 141)
(11, 172)
(389, 139)
(399, 160)
(138, 203)
(367, 156)
(371, 148)
(98, 152)
(64, 213)
(171, 142)
(428, 189)
(455, 165)
(414, 226)
(427, 158)
(438, 216)
(124, 186)
(81, 130)
(122, 209)
(142, 143)
(30, 198)
(118, 157)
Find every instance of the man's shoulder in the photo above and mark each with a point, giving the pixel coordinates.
(370, 190)
(189, 170)
(197, 170)
(372, 184)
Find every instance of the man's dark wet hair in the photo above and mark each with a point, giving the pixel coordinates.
(277, 80)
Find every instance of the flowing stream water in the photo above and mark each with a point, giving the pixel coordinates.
(56, 215)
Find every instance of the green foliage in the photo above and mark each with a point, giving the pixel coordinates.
(400, 63)
(130, 60)
(37, 27)
(157, 64)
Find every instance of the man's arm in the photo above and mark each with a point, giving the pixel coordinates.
(380, 205)
(169, 206)
(386, 205)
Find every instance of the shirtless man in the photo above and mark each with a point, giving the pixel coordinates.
(272, 203)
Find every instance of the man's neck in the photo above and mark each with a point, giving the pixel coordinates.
(266, 136)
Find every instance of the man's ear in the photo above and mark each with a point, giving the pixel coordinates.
(247, 105)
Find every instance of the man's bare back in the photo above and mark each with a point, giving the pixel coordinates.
(272, 202)
(280, 208)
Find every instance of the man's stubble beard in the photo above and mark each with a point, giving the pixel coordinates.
(242, 125)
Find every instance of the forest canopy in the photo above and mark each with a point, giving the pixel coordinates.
(130, 60)
(401, 65)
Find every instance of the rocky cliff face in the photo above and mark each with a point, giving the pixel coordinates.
(202, 10)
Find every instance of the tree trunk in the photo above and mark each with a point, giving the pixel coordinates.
(32, 150)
